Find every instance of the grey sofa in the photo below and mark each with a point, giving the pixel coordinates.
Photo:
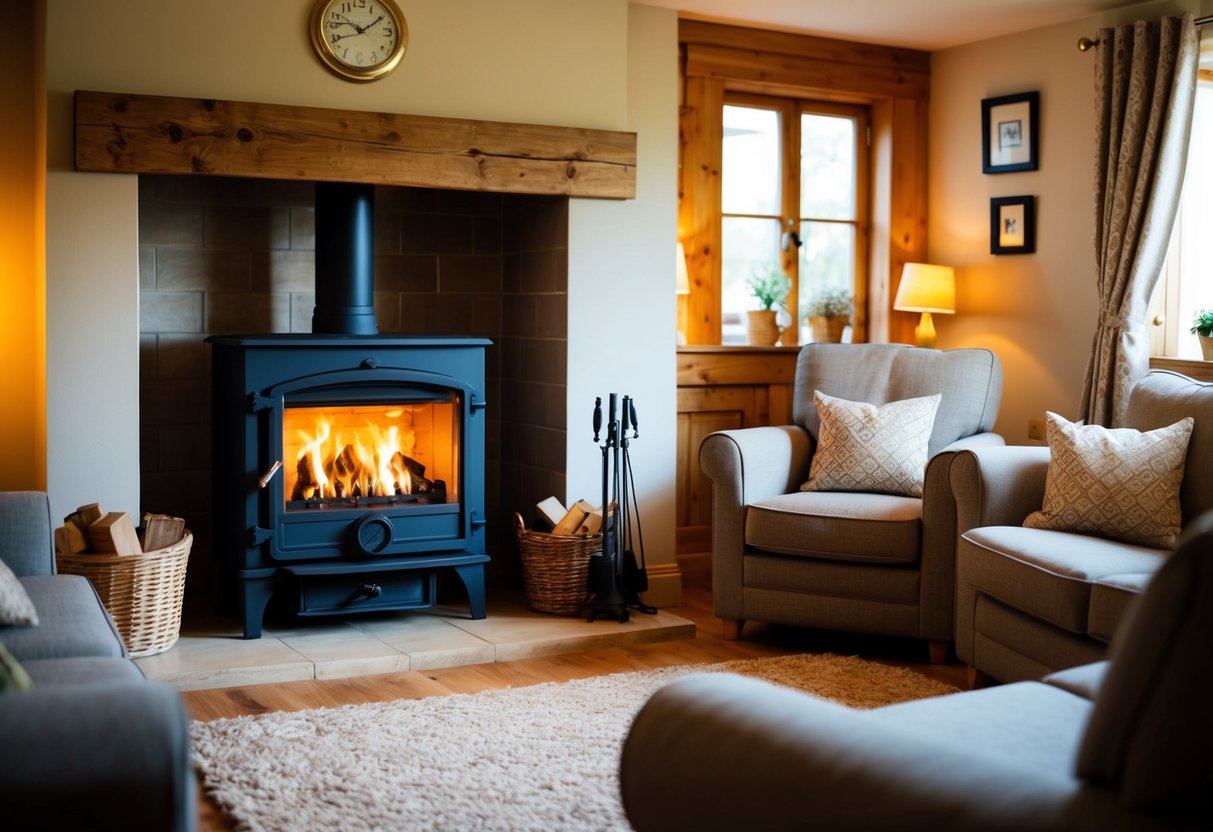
(859, 562)
(93, 744)
(1033, 601)
(1114, 745)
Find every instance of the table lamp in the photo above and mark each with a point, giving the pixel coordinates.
(925, 288)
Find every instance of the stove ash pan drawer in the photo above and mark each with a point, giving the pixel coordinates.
(327, 594)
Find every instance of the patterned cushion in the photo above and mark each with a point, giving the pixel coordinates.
(865, 447)
(15, 605)
(1118, 483)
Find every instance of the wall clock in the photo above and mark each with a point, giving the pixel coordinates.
(359, 40)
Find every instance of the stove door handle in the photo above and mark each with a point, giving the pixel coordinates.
(269, 475)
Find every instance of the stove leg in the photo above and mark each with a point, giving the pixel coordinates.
(254, 595)
(472, 576)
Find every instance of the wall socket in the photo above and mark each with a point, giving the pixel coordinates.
(1036, 428)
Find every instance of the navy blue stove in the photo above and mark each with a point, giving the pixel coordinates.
(348, 465)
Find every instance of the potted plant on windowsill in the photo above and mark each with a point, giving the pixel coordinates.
(829, 315)
(1202, 327)
(771, 289)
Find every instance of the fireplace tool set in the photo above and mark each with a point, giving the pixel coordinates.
(617, 576)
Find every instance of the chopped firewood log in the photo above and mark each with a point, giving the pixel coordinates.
(115, 534)
(88, 515)
(550, 512)
(161, 531)
(70, 538)
(592, 524)
(573, 518)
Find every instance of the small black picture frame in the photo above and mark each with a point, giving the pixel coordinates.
(1013, 225)
(1010, 133)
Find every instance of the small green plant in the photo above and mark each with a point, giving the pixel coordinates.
(770, 287)
(1202, 324)
(830, 303)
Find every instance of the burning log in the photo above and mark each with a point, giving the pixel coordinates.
(305, 481)
(346, 464)
(407, 463)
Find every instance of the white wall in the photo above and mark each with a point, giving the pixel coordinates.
(622, 298)
(1037, 311)
(538, 61)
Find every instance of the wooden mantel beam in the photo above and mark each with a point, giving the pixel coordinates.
(127, 133)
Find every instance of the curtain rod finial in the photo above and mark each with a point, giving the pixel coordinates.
(1084, 44)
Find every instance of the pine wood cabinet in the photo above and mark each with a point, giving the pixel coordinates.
(721, 388)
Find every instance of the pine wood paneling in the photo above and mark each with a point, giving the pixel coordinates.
(722, 388)
(701, 135)
(124, 133)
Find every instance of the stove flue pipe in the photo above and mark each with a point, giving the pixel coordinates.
(345, 259)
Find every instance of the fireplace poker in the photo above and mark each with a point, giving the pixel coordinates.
(603, 578)
(634, 578)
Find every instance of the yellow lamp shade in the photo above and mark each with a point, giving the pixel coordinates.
(926, 288)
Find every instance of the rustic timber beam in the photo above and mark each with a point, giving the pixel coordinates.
(804, 72)
(129, 133)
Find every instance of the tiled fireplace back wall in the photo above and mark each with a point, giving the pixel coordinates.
(237, 256)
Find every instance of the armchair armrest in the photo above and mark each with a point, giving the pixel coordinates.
(939, 536)
(717, 751)
(745, 466)
(998, 486)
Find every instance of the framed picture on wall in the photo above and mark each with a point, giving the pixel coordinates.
(1009, 133)
(1013, 225)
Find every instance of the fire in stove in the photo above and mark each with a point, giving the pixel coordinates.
(369, 455)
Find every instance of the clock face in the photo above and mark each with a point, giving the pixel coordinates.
(359, 39)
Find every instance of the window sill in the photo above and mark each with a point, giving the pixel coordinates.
(1200, 370)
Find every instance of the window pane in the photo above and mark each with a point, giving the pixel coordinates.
(748, 246)
(827, 264)
(750, 179)
(827, 167)
(1195, 221)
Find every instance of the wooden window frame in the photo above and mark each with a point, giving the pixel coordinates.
(893, 82)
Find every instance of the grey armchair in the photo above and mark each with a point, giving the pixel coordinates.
(860, 562)
(1034, 601)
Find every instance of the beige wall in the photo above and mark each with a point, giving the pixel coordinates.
(1037, 311)
(22, 341)
(540, 61)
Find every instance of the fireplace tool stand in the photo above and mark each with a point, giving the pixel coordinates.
(616, 578)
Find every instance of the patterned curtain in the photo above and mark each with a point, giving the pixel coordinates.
(1145, 87)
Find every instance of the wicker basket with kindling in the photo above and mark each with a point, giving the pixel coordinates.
(142, 592)
(555, 568)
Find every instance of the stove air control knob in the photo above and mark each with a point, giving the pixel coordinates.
(374, 533)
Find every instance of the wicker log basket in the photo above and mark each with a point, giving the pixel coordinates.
(142, 592)
(555, 568)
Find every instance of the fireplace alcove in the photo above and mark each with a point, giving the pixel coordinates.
(223, 254)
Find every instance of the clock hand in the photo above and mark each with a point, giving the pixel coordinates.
(344, 21)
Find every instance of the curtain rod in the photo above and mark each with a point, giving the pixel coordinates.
(1086, 43)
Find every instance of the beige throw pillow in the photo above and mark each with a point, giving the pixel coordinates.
(866, 447)
(15, 604)
(1118, 483)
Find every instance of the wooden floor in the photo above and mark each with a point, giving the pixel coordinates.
(708, 646)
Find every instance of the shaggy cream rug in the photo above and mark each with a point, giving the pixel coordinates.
(532, 758)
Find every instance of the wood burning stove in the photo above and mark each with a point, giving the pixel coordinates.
(348, 465)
